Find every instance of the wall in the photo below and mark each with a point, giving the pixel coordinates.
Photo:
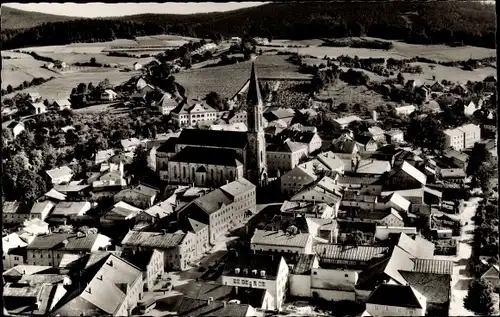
(300, 285)
(380, 310)
(343, 280)
(382, 233)
(15, 218)
(362, 295)
(292, 182)
(11, 260)
(333, 295)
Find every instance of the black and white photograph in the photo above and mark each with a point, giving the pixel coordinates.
(250, 159)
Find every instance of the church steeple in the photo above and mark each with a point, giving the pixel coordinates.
(254, 97)
(256, 163)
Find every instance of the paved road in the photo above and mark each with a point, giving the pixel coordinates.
(461, 277)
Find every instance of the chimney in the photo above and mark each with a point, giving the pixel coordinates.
(225, 303)
(210, 300)
(374, 115)
(163, 231)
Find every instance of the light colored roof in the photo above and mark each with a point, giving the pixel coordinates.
(469, 128)
(347, 120)
(406, 108)
(400, 201)
(394, 132)
(109, 91)
(349, 253)
(368, 166)
(104, 155)
(124, 209)
(452, 172)
(160, 210)
(415, 173)
(330, 160)
(55, 194)
(24, 269)
(237, 187)
(453, 132)
(280, 238)
(130, 142)
(417, 248)
(12, 241)
(153, 239)
(63, 102)
(39, 207)
(376, 131)
(59, 172)
(71, 208)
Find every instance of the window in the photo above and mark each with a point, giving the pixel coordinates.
(16, 258)
(315, 273)
(346, 275)
(184, 171)
(221, 176)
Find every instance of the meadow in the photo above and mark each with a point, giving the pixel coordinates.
(399, 51)
(20, 68)
(228, 79)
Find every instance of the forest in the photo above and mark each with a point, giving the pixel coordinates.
(452, 23)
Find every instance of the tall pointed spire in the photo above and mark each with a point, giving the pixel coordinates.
(253, 96)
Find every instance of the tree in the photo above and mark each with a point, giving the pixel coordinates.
(215, 100)
(400, 79)
(105, 84)
(92, 60)
(10, 89)
(477, 157)
(479, 298)
(30, 185)
(139, 166)
(81, 88)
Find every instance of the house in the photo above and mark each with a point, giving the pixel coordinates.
(376, 133)
(404, 177)
(167, 104)
(198, 307)
(109, 95)
(187, 114)
(14, 212)
(111, 176)
(454, 175)
(490, 81)
(300, 274)
(49, 249)
(141, 196)
(60, 64)
(308, 209)
(151, 264)
(32, 228)
(177, 248)
(470, 107)
(16, 127)
(60, 175)
(37, 108)
(269, 272)
(460, 89)
(394, 136)
(405, 110)
(41, 210)
(366, 143)
(454, 138)
(360, 166)
(417, 247)
(18, 272)
(54, 196)
(346, 143)
(120, 213)
(385, 232)
(310, 137)
(364, 185)
(343, 123)
(137, 66)
(492, 275)
(436, 288)
(34, 97)
(285, 156)
(62, 104)
(14, 251)
(130, 144)
(222, 209)
(396, 300)
(110, 286)
(456, 158)
(49, 65)
(103, 156)
(324, 190)
(281, 242)
(156, 212)
(69, 210)
(283, 114)
(471, 134)
(437, 87)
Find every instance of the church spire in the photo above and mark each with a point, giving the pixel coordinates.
(253, 96)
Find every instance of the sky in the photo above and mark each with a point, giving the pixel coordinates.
(99, 9)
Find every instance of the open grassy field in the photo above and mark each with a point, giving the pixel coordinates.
(22, 67)
(60, 88)
(454, 74)
(227, 80)
(400, 50)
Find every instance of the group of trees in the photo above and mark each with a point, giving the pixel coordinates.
(83, 93)
(25, 84)
(486, 232)
(358, 30)
(479, 298)
(426, 132)
(482, 167)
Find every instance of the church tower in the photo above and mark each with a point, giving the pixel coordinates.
(256, 167)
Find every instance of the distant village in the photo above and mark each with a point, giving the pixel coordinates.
(255, 209)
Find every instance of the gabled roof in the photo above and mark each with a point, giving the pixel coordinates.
(399, 201)
(160, 210)
(213, 138)
(213, 201)
(435, 287)
(347, 120)
(23, 269)
(237, 187)
(168, 146)
(250, 262)
(349, 253)
(130, 142)
(63, 102)
(126, 210)
(66, 208)
(397, 296)
(411, 171)
(280, 238)
(207, 155)
(59, 172)
(198, 307)
(417, 248)
(12, 241)
(158, 240)
(55, 241)
(55, 195)
(433, 266)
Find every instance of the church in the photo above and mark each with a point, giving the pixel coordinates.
(211, 158)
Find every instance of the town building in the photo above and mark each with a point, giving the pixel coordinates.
(14, 250)
(323, 190)
(284, 157)
(34, 97)
(269, 272)
(223, 209)
(396, 300)
(49, 249)
(394, 136)
(166, 104)
(119, 214)
(281, 242)
(61, 104)
(16, 127)
(151, 264)
(141, 196)
(69, 210)
(405, 110)
(187, 114)
(60, 175)
(204, 307)
(472, 134)
(109, 95)
(14, 212)
(343, 123)
(456, 158)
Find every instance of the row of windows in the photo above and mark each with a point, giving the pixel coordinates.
(245, 282)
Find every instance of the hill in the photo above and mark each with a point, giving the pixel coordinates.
(20, 19)
(469, 23)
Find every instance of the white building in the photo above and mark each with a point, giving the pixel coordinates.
(405, 110)
(342, 123)
(109, 95)
(60, 175)
(282, 242)
(186, 115)
(137, 66)
(269, 272)
(454, 138)
(472, 134)
(12, 249)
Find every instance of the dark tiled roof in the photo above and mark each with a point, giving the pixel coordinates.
(221, 139)
(212, 156)
(349, 253)
(168, 146)
(141, 259)
(53, 240)
(304, 264)
(253, 94)
(198, 307)
(435, 287)
(153, 239)
(213, 201)
(394, 295)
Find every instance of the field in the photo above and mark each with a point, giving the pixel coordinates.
(400, 50)
(22, 67)
(227, 80)
(454, 74)
(60, 87)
